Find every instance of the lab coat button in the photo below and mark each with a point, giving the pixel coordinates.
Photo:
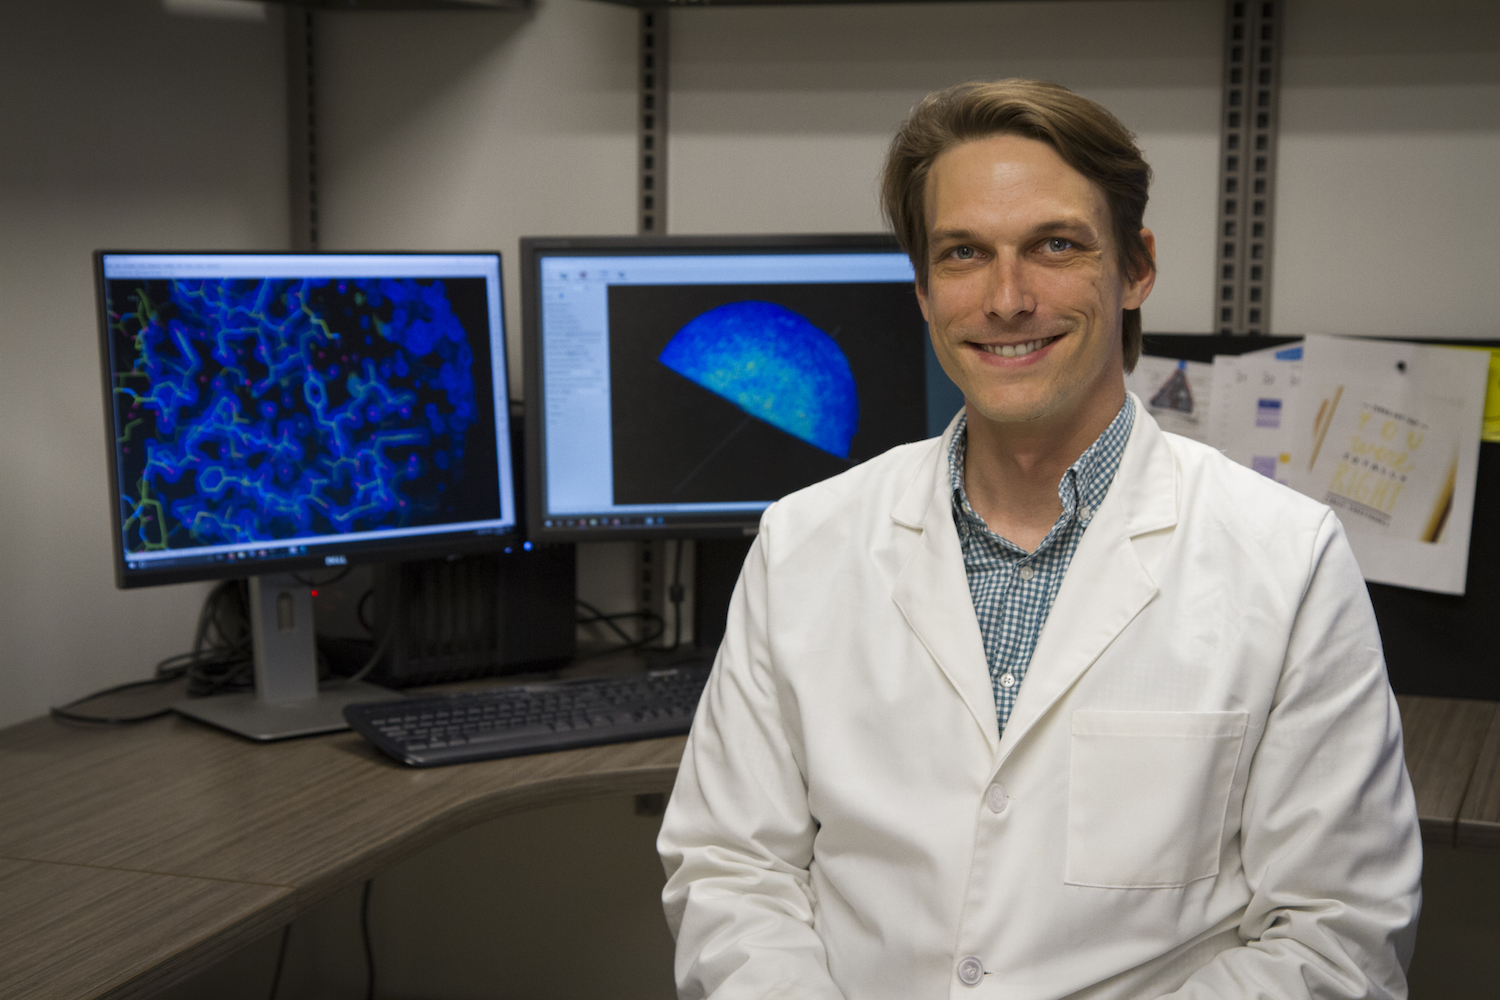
(997, 799)
(970, 971)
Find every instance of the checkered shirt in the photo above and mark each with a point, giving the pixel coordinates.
(1012, 589)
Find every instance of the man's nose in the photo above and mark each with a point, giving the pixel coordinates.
(1009, 293)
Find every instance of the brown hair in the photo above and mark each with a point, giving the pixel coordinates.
(1089, 138)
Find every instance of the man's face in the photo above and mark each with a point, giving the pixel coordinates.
(1021, 262)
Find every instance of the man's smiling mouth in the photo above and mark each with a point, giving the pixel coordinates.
(1016, 350)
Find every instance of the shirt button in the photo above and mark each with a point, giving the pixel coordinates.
(1007, 680)
(970, 971)
(1085, 512)
(996, 798)
(1026, 573)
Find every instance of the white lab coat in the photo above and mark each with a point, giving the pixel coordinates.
(1200, 789)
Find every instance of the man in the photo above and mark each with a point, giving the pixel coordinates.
(1057, 704)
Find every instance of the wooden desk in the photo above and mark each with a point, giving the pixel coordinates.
(1444, 739)
(1479, 819)
(132, 858)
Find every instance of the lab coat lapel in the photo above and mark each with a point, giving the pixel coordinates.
(932, 589)
(1105, 586)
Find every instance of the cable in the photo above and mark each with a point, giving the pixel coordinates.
(227, 663)
(596, 619)
(359, 611)
(374, 660)
(286, 935)
(607, 620)
(675, 595)
(222, 658)
(323, 583)
(364, 927)
(626, 643)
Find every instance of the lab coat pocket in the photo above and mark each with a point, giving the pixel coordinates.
(1147, 796)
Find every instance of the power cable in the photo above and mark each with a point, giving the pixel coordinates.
(364, 927)
(610, 621)
(208, 667)
(675, 595)
(286, 935)
(337, 576)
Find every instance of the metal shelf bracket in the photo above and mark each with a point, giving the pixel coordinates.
(651, 122)
(1247, 165)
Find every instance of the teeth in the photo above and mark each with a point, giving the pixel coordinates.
(1018, 350)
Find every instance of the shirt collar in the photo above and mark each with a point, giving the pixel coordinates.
(1084, 484)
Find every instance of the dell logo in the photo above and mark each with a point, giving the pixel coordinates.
(335, 561)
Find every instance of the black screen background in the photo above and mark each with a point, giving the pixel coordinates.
(676, 442)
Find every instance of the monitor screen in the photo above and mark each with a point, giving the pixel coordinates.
(680, 385)
(276, 412)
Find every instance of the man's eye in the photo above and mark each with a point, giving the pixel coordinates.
(1057, 244)
(963, 253)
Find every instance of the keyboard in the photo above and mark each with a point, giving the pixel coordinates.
(531, 718)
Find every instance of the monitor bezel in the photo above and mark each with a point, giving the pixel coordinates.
(533, 250)
(380, 551)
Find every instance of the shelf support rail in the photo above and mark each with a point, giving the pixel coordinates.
(302, 127)
(1247, 165)
(651, 119)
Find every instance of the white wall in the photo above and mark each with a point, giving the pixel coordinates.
(780, 116)
(123, 128)
(464, 130)
(1389, 190)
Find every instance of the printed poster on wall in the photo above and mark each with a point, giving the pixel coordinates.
(1177, 393)
(1387, 434)
(1251, 393)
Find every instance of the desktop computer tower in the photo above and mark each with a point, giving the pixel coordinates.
(478, 615)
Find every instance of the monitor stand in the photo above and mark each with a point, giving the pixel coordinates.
(286, 701)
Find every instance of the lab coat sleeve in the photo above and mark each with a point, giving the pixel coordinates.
(737, 837)
(1330, 842)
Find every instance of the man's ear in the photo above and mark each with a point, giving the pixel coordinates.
(1137, 287)
(922, 301)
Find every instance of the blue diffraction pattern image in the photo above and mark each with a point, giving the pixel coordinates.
(263, 409)
(776, 366)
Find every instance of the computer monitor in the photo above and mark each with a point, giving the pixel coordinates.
(678, 386)
(271, 413)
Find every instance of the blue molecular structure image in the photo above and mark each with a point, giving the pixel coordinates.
(263, 409)
(776, 366)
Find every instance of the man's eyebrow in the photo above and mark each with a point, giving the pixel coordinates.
(948, 235)
(1065, 225)
(1077, 226)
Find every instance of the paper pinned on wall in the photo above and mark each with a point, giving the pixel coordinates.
(1490, 431)
(1251, 399)
(1387, 434)
(1179, 394)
